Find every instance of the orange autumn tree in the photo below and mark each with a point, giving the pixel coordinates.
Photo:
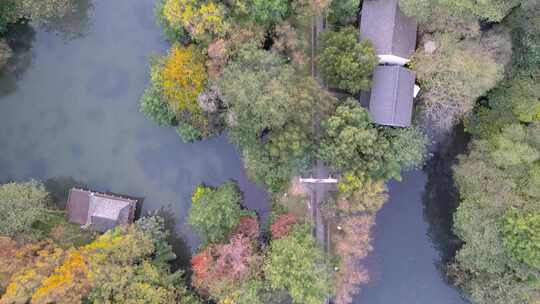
(182, 78)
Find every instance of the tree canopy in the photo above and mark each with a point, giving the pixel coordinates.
(489, 10)
(215, 212)
(296, 263)
(21, 204)
(344, 62)
(353, 145)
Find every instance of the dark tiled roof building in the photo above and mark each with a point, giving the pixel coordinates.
(99, 211)
(391, 96)
(392, 33)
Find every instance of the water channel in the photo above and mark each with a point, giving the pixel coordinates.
(69, 115)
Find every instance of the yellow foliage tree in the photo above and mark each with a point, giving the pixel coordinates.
(40, 259)
(68, 284)
(199, 18)
(74, 278)
(359, 194)
(182, 78)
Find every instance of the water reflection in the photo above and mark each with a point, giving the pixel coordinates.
(58, 187)
(441, 197)
(404, 263)
(75, 24)
(20, 38)
(75, 112)
(180, 247)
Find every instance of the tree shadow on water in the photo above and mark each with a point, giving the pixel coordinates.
(20, 38)
(441, 197)
(58, 188)
(179, 245)
(75, 24)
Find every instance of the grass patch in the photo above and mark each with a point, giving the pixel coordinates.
(55, 226)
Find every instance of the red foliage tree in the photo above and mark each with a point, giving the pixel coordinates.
(201, 264)
(233, 260)
(282, 225)
(248, 227)
(219, 268)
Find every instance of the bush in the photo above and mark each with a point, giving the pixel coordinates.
(188, 133)
(521, 235)
(215, 212)
(155, 108)
(21, 204)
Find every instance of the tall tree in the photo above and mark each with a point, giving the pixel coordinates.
(215, 212)
(352, 143)
(295, 263)
(344, 62)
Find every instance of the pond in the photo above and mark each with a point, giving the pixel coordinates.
(69, 115)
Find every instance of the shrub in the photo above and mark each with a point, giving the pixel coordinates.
(155, 108)
(21, 204)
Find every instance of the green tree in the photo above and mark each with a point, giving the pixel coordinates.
(154, 107)
(267, 11)
(521, 235)
(215, 212)
(295, 263)
(272, 114)
(8, 14)
(256, 88)
(516, 100)
(351, 143)
(344, 12)
(498, 182)
(344, 62)
(409, 145)
(489, 10)
(5, 53)
(525, 25)
(21, 204)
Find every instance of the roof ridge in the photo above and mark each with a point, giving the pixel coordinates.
(394, 28)
(395, 92)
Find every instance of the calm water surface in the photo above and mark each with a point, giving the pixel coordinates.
(69, 114)
(413, 238)
(72, 114)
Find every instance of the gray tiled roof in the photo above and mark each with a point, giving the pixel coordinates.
(390, 31)
(99, 210)
(391, 97)
(102, 224)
